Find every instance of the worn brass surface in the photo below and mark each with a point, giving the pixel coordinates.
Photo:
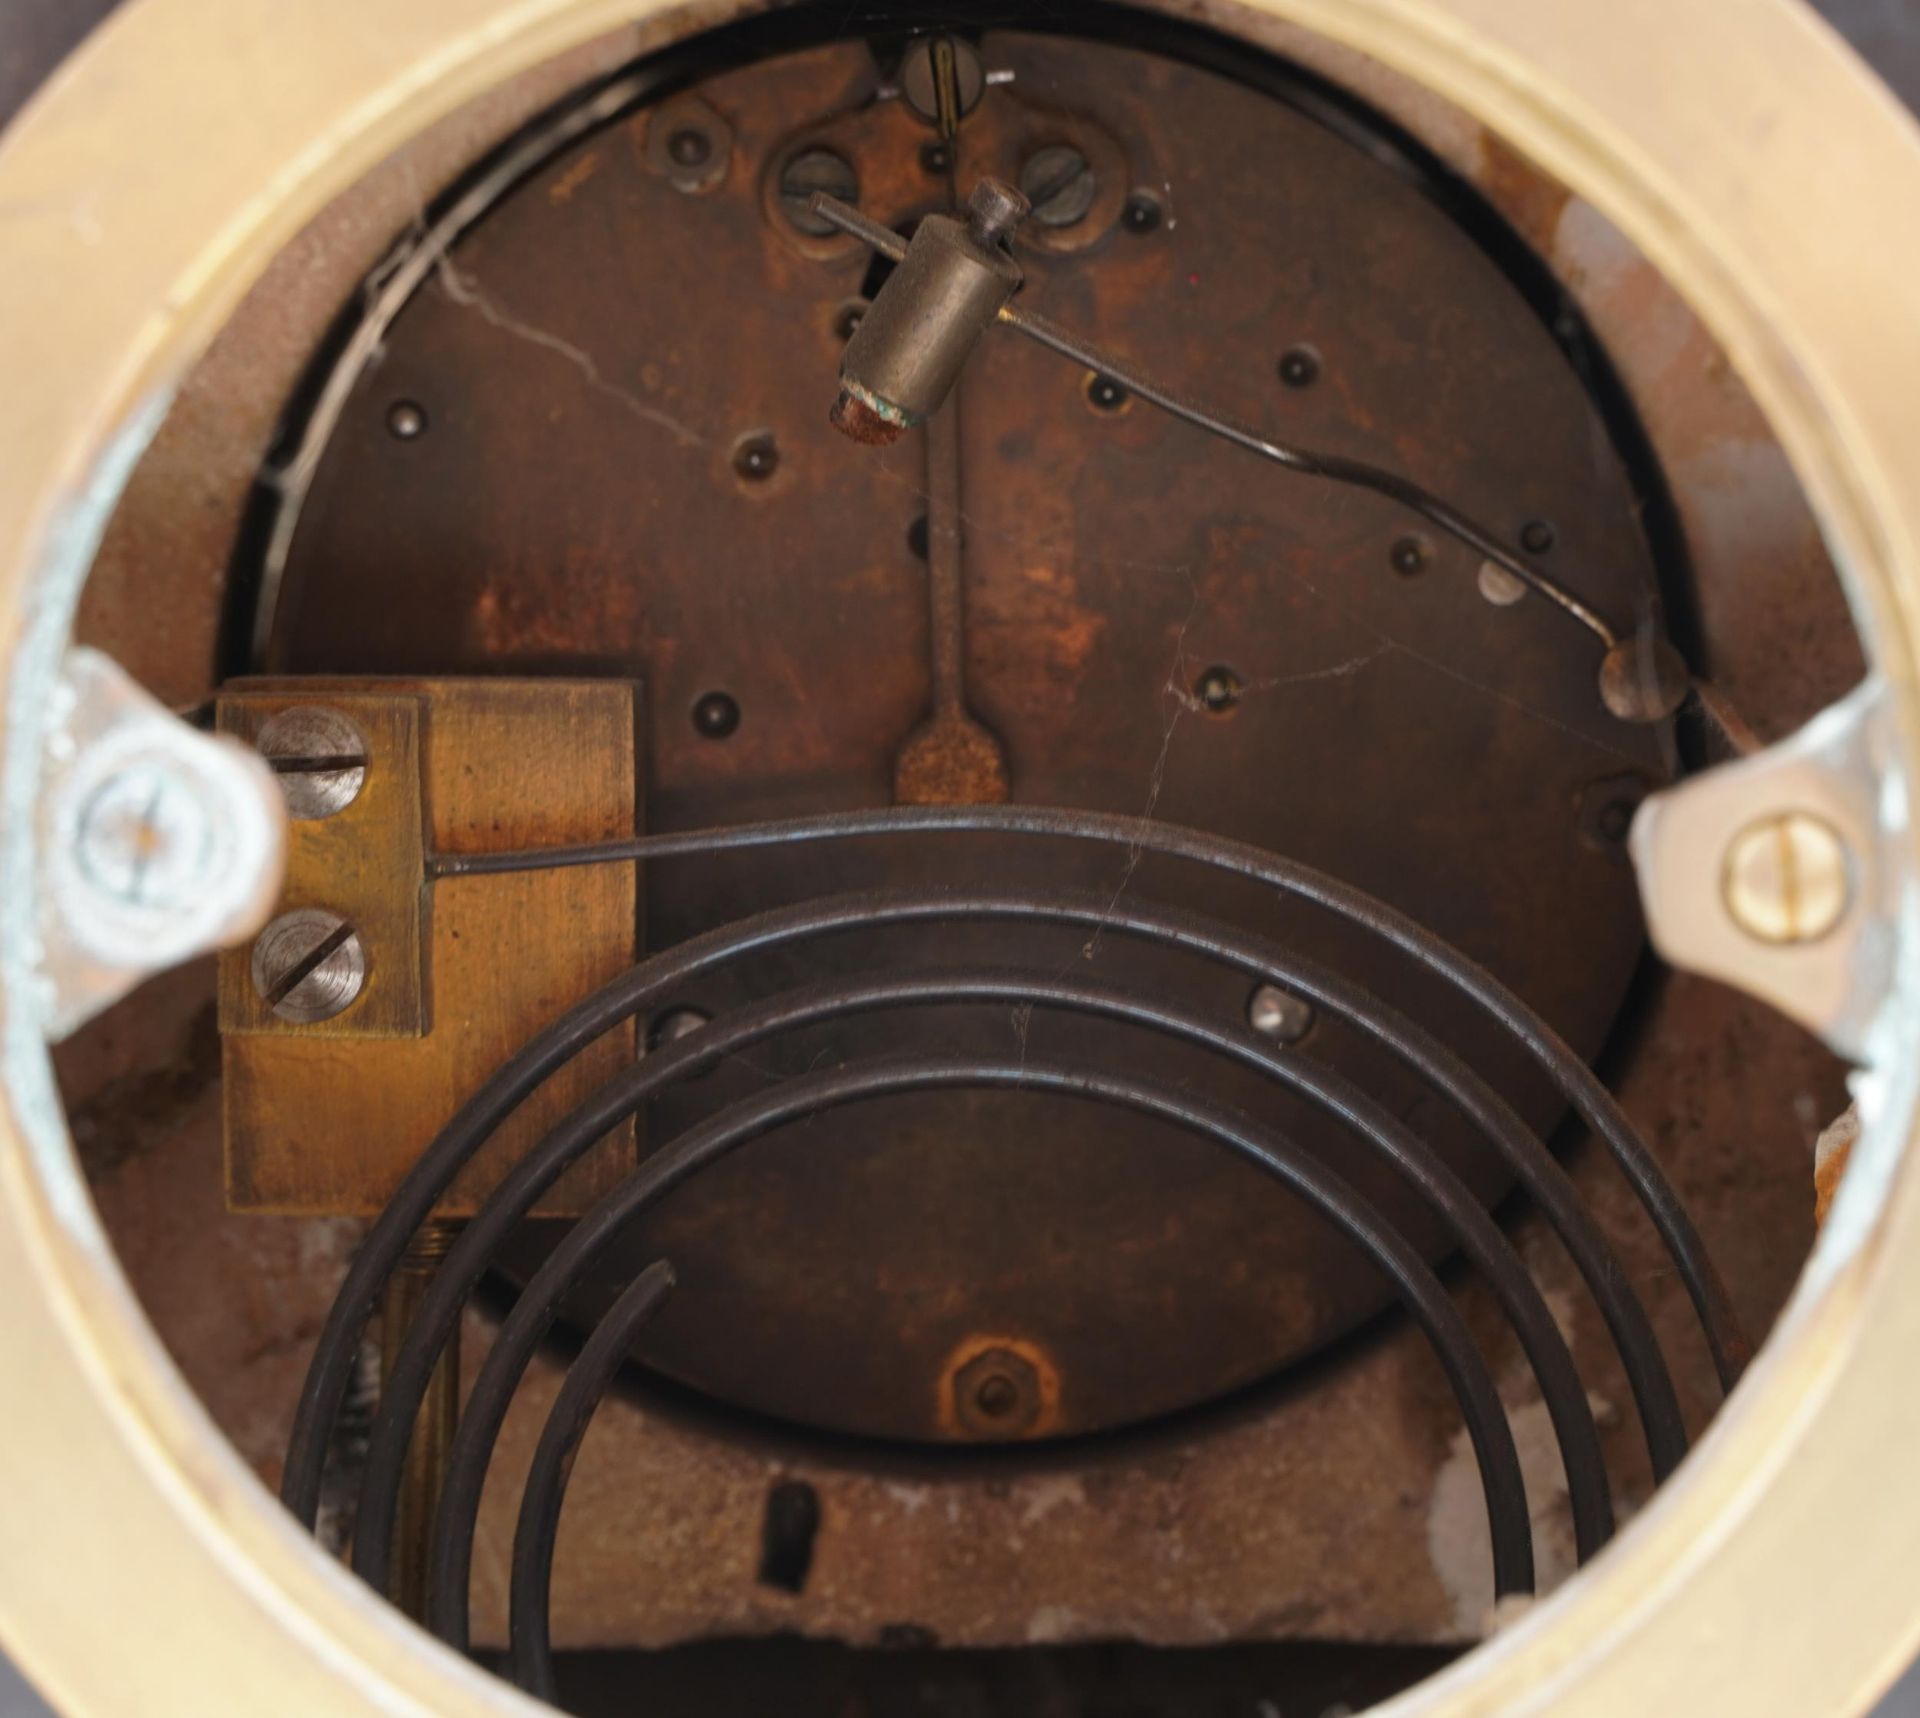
(1734, 141)
(425, 1476)
(321, 1127)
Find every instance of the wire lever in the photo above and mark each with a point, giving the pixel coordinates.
(956, 279)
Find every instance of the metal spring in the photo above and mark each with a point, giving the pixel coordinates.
(655, 978)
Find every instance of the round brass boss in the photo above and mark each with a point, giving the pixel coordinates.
(1787, 878)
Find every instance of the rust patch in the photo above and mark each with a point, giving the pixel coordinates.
(858, 421)
(563, 188)
(951, 761)
(997, 1389)
(1826, 1181)
(1832, 1152)
(561, 532)
(1528, 198)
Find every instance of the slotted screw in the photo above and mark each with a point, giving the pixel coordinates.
(309, 965)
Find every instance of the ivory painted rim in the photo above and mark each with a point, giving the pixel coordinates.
(1736, 142)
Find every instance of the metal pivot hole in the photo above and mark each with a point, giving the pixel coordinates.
(1787, 878)
(309, 965)
(1218, 690)
(319, 756)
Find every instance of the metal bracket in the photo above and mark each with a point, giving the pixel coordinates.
(1777, 873)
(158, 842)
(443, 981)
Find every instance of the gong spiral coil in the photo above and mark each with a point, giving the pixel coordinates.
(1257, 959)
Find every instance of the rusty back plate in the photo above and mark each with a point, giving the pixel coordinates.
(591, 366)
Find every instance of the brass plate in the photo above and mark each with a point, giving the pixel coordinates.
(319, 1126)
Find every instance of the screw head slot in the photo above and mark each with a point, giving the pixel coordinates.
(319, 757)
(1787, 878)
(1059, 184)
(810, 171)
(309, 965)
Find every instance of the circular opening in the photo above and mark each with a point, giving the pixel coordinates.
(1142, 213)
(1218, 690)
(716, 715)
(1300, 367)
(1573, 536)
(847, 318)
(756, 457)
(1410, 555)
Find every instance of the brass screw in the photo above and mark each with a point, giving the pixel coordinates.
(1787, 878)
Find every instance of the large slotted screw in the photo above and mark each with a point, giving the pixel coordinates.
(309, 965)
